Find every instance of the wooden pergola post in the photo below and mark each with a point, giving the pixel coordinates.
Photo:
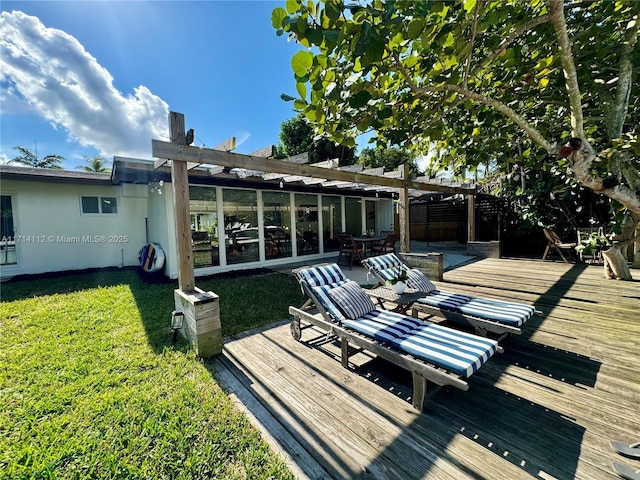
(403, 212)
(201, 309)
(471, 218)
(180, 181)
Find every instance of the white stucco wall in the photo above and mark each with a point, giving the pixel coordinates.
(162, 227)
(52, 233)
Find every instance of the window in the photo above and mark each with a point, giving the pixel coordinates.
(277, 224)
(204, 226)
(90, 205)
(106, 205)
(241, 225)
(307, 223)
(331, 222)
(7, 232)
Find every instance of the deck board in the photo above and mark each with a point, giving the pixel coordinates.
(546, 408)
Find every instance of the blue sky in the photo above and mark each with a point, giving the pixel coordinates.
(99, 77)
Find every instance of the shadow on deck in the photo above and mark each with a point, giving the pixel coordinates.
(546, 408)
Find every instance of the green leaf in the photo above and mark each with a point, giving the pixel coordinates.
(302, 90)
(360, 99)
(301, 62)
(277, 17)
(299, 104)
(332, 10)
(415, 28)
(287, 98)
(292, 6)
(469, 5)
(331, 35)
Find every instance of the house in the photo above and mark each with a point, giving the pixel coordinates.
(56, 220)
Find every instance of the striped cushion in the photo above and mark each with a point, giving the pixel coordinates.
(385, 266)
(383, 262)
(351, 300)
(322, 275)
(419, 281)
(458, 352)
(320, 279)
(322, 294)
(514, 314)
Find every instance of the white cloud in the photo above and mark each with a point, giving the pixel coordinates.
(63, 83)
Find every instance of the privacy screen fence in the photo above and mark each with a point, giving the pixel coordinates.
(446, 219)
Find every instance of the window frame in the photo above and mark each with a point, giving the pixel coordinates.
(101, 199)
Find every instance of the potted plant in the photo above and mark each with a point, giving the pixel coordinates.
(593, 244)
(399, 280)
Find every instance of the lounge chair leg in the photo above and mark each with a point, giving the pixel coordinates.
(344, 348)
(419, 392)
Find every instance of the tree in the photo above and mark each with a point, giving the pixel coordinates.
(27, 157)
(297, 136)
(539, 83)
(95, 164)
(389, 158)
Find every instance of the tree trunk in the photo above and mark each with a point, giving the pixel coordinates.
(615, 264)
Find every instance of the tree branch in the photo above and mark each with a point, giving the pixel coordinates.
(474, 27)
(556, 9)
(510, 39)
(625, 76)
(508, 112)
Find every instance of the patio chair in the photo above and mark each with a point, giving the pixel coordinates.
(483, 314)
(435, 355)
(388, 245)
(556, 245)
(349, 249)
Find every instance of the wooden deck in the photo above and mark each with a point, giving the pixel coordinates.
(546, 408)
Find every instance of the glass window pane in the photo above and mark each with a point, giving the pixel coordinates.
(331, 222)
(108, 205)
(7, 232)
(370, 215)
(307, 223)
(353, 214)
(276, 207)
(241, 225)
(90, 205)
(204, 226)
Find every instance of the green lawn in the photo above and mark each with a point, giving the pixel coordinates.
(91, 386)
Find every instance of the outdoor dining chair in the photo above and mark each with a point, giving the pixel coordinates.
(388, 245)
(350, 249)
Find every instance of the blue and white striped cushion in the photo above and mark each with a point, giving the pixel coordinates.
(320, 279)
(419, 281)
(514, 314)
(322, 275)
(383, 262)
(322, 294)
(458, 352)
(351, 300)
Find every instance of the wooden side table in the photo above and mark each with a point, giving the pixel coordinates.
(402, 301)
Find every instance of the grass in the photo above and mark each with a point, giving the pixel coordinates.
(91, 386)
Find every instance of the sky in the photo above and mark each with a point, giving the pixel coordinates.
(98, 78)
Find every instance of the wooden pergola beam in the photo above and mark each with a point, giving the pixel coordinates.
(186, 153)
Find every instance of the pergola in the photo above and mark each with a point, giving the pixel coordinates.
(184, 157)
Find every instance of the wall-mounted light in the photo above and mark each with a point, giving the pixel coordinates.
(177, 322)
(156, 186)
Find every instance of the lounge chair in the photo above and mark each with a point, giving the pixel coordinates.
(484, 314)
(435, 355)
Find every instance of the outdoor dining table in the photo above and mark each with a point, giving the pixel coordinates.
(368, 241)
